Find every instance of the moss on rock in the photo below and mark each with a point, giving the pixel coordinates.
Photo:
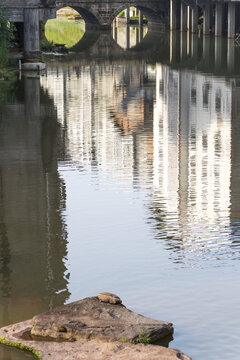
(21, 347)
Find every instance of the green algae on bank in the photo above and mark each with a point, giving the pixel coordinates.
(20, 347)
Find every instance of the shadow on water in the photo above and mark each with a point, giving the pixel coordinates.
(178, 50)
(88, 40)
(33, 247)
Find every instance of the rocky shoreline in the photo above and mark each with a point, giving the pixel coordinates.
(95, 328)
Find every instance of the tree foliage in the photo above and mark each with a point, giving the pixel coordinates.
(6, 38)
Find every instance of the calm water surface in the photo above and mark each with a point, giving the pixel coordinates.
(120, 172)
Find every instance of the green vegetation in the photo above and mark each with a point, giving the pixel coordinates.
(143, 337)
(136, 18)
(122, 14)
(21, 347)
(62, 31)
(6, 42)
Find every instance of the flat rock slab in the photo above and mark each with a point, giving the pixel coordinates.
(86, 350)
(95, 318)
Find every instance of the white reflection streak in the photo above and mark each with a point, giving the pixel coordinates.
(166, 138)
(208, 158)
(209, 184)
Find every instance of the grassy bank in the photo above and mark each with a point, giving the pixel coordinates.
(62, 31)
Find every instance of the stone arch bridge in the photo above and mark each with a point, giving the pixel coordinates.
(218, 15)
(101, 13)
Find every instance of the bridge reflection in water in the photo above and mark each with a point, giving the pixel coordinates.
(128, 36)
(172, 130)
(149, 122)
(181, 50)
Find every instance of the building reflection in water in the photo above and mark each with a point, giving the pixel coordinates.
(32, 228)
(192, 163)
(164, 131)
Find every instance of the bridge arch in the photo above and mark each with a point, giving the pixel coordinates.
(61, 30)
(101, 14)
(155, 17)
(89, 15)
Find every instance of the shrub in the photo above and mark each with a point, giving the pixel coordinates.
(6, 39)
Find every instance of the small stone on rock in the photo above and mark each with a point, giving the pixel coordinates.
(109, 298)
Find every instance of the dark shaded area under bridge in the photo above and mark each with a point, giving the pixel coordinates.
(178, 50)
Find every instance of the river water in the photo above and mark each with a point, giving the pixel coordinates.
(120, 172)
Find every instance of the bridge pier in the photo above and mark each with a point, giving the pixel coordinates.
(231, 55)
(218, 52)
(140, 18)
(31, 34)
(127, 14)
(173, 15)
(231, 20)
(140, 34)
(127, 37)
(115, 31)
(189, 15)
(137, 36)
(218, 19)
(26, 15)
(173, 47)
(183, 24)
(194, 46)
(206, 19)
(194, 22)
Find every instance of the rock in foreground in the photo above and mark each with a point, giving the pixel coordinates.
(94, 319)
(103, 320)
(85, 350)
